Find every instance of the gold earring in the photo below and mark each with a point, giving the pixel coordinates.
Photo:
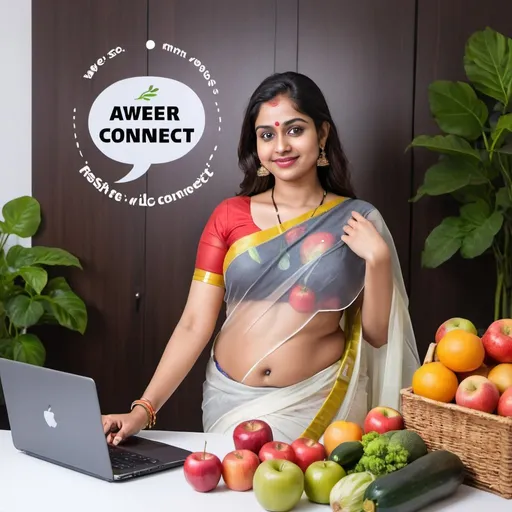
(322, 159)
(262, 171)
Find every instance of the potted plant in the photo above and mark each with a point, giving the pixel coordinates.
(28, 297)
(475, 161)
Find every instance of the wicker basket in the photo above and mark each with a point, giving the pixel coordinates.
(482, 441)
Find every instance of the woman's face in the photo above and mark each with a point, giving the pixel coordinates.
(288, 143)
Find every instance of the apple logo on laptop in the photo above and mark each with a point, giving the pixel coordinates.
(49, 417)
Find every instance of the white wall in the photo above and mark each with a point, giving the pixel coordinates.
(15, 104)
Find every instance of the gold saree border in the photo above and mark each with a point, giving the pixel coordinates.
(255, 239)
(208, 277)
(334, 400)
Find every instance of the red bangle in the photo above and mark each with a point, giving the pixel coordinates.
(150, 410)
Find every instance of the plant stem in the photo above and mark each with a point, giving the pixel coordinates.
(506, 271)
(3, 241)
(499, 286)
(486, 142)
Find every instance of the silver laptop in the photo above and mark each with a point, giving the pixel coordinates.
(55, 416)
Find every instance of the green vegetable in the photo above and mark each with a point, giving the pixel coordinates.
(430, 478)
(348, 493)
(411, 441)
(347, 454)
(381, 457)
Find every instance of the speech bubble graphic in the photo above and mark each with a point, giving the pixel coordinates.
(146, 120)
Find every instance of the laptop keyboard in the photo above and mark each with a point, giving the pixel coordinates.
(122, 459)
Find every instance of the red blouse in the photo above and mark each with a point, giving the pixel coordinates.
(230, 221)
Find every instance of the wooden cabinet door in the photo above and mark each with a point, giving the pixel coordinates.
(85, 217)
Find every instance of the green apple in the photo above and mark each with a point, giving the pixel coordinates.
(319, 479)
(278, 485)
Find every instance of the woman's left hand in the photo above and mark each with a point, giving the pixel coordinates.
(364, 239)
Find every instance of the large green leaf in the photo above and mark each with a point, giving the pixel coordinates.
(503, 198)
(471, 193)
(488, 64)
(28, 348)
(22, 216)
(4, 269)
(443, 242)
(457, 109)
(23, 311)
(481, 238)
(450, 174)
(68, 308)
(18, 257)
(446, 144)
(35, 277)
(502, 129)
(48, 315)
(475, 214)
(9, 289)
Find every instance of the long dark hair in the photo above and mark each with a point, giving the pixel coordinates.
(308, 99)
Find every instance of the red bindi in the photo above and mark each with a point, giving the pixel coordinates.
(277, 123)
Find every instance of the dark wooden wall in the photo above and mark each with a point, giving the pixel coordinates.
(459, 287)
(373, 60)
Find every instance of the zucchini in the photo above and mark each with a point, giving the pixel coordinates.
(347, 454)
(430, 478)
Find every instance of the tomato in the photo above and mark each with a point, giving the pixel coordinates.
(315, 245)
(302, 299)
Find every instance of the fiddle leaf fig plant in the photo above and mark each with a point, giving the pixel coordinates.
(28, 297)
(474, 165)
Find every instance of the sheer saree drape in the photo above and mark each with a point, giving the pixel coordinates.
(277, 280)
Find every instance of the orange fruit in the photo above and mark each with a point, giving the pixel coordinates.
(340, 431)
(481, 370)
(501, 375)
(435, 381)
(461, 351)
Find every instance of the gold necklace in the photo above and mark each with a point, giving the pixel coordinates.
(314, 211)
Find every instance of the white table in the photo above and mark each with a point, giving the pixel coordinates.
(28, 484)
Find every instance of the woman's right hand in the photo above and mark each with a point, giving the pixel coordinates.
(118, 427)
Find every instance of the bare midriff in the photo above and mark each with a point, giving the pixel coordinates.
(314, 347)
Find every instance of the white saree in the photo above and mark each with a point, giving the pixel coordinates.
(377, 375)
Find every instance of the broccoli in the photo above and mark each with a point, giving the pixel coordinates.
(380, 457)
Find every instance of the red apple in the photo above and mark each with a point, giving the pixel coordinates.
(292, 235)
(202, 471)
(252, 435)
(238, 468)
(302, 299)
(454, 323)
(505, 403)
(307, 451)
(383, 419)
(497, 340)
(479, 393)
(315, 245)
(277, 450)
(501, 375)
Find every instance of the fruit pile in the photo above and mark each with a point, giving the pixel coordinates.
(471, 371)
(375, 467)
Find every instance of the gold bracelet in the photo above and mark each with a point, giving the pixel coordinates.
(150, 411)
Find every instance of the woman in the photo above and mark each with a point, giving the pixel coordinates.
(317, 325)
